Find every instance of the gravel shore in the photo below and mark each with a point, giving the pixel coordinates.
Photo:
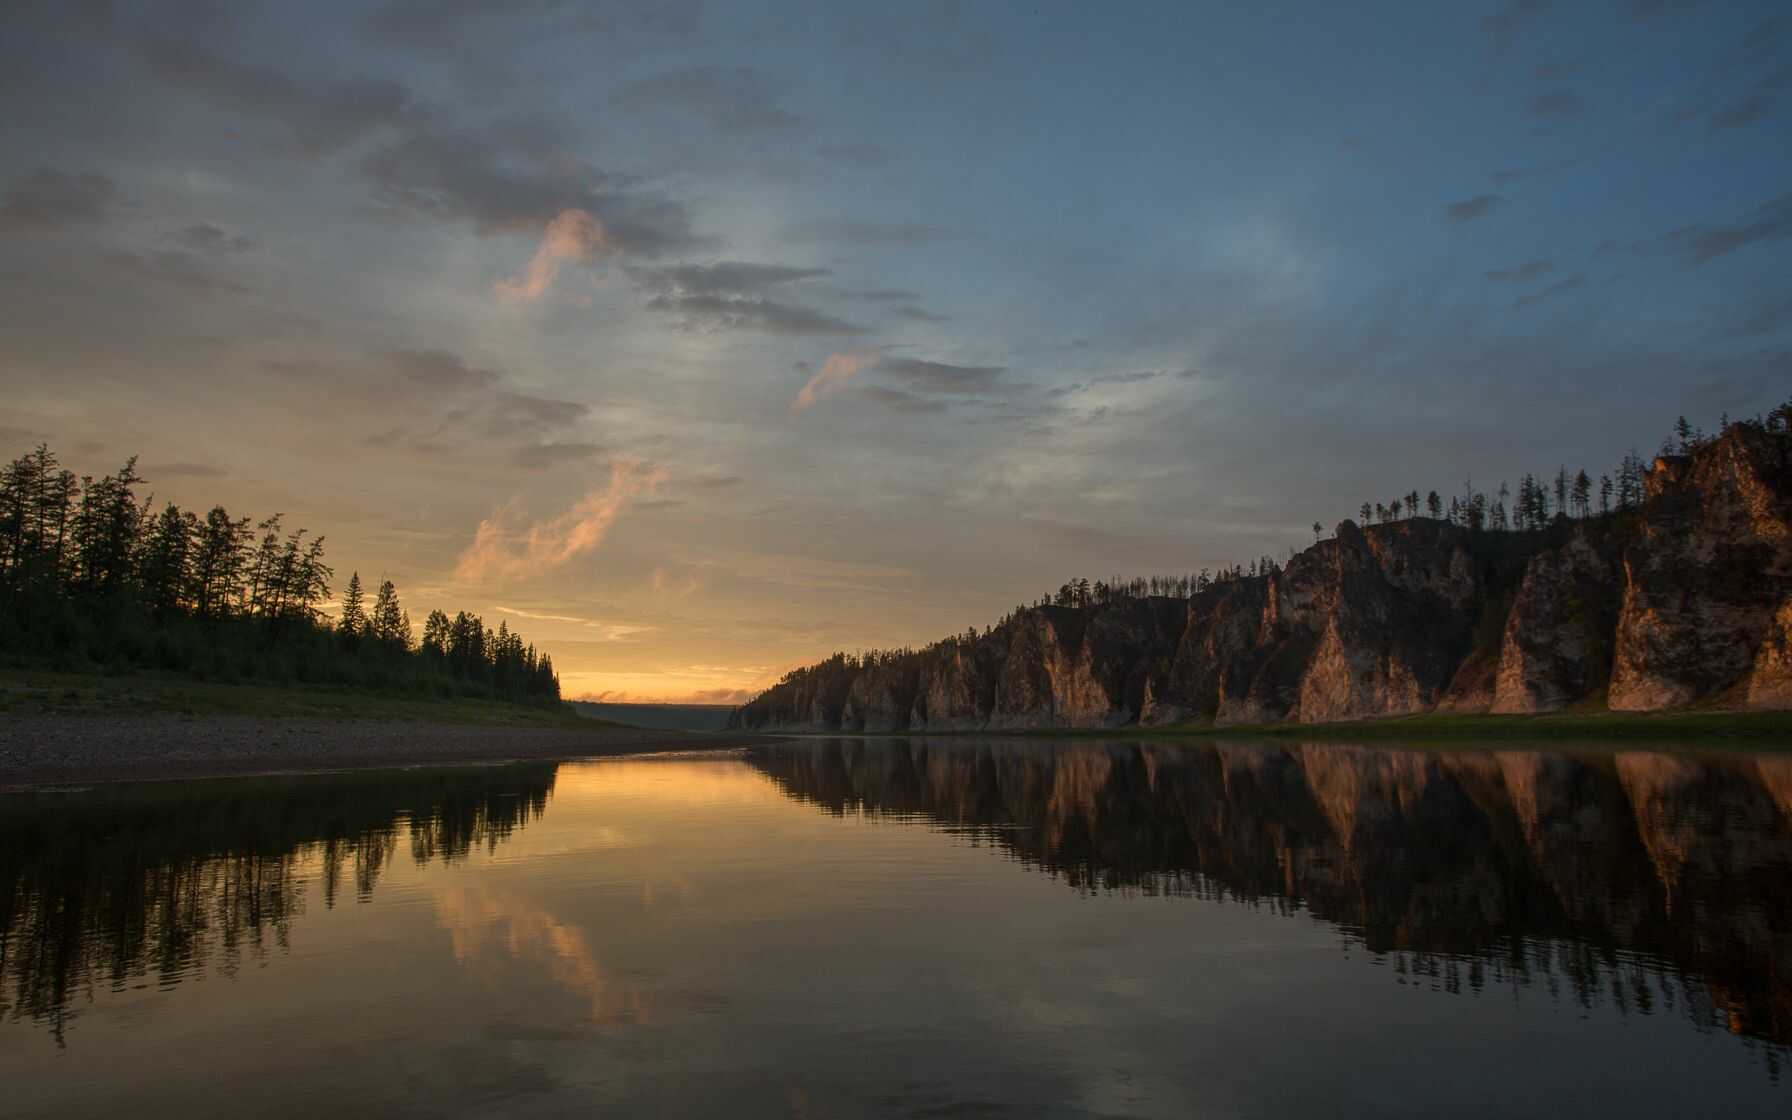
(50, 750)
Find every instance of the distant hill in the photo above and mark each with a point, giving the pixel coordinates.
(672, 717)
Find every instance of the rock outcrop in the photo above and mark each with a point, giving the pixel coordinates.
(1687, 598)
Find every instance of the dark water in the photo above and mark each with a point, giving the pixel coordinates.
(913, 928)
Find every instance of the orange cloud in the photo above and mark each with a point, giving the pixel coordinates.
(502, 553)
(830, 379)
(574, 235)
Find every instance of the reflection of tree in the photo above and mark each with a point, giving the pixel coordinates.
(125, 883)
(1643, 881)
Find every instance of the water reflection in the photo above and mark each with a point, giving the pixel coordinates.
(1638, 880)
(691, 937)
(160, 883)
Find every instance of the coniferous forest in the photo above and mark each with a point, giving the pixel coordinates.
(93, 578)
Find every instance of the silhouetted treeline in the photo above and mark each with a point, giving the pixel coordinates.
(1539, 503)
(90, 577)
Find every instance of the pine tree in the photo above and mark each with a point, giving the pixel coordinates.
(386, 621)
(1434, 505)
(1583, 494)
(1605, 494)
(353, 622)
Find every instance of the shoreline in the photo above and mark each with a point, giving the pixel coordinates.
(1769, 729)
(38, 751)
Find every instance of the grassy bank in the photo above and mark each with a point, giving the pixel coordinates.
(26, 692)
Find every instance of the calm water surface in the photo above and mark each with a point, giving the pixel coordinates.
(913, 928)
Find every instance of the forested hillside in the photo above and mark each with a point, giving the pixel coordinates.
(94, 578)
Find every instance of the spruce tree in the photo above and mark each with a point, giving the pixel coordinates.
(353, 622)
(387, 621)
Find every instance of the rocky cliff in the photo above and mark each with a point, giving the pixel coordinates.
(1686, 598)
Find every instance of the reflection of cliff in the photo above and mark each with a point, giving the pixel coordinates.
(169, 881)
(1621, 877)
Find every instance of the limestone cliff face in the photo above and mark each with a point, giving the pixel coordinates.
(1688, 598)
(1555, 646)
(1707, 582)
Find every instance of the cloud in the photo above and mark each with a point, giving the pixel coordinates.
(865, 233)
(1770, 222)
(734, 99)
(606, 631)
(544, 456)
(1523, 273)
(440, 371)
(48, 199)
(883, 295)
(171, 268)
(1644, 10)
(1504, 25)
(437, 400)
(1471, 208)
(730, 296)
(1555, 71)
(517, 178)
(903, 401)
(572, 236)
(855, 154)
(1555, 105)
(726, 278)
(322, 115)
(440, 24)
(829, 379)
(1755, 77)
(203, 237)
(920, 314)
(939, 377)
(1578, 280)
(718, 313)
(499, 552)
(1767, 319)
(717, 481)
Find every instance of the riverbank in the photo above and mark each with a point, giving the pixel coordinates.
(56, 750)
(70, 728)
(1753, 729)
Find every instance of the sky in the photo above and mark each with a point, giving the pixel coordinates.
(700, 340)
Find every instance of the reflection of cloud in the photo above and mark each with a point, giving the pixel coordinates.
(828, 380)
(497, 552)
(482, 923)
(574, 235)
